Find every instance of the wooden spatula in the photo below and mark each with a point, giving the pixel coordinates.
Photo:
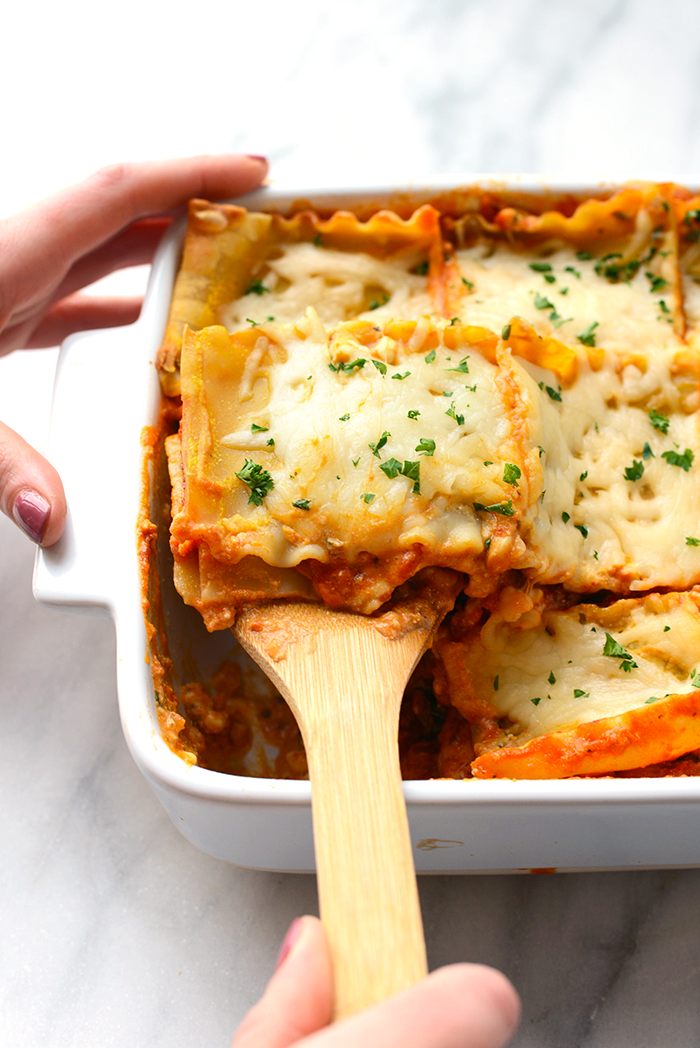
(343, 676)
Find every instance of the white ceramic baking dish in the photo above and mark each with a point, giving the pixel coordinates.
(106, 391)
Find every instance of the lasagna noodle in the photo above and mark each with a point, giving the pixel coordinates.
(339, 424)
(241, 267)
(588, 691)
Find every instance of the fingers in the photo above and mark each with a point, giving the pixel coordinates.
(77, 313)
(42, 242)
(31, 492)
(463, 1006)
(299, 997)
(133, 246)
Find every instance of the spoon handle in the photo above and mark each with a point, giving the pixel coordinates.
(366, 878)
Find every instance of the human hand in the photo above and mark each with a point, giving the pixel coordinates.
(462, 1006)
(112, 220)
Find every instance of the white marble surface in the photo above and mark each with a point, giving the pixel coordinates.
(114, 929)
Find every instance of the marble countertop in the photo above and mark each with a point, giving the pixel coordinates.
(115, 929)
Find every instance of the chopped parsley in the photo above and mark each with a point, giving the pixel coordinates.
(511, 473)
(467, 283)
(399, 376)
(349, 365)
(616, 651)
(258, 480)
(391, 468)
(551, 679)
(413, 414)
(663, 307)
(584, 256)
(587, 338)
(355, 461)
(647, 453)
(256, 287)
(550, 278)
(495, 683)
(652, 698)
(563, 291)
(566, 517)
(542, 302)
(462, 367)
(256, 323)
(459, 419)
(425, 446)
(368, 497)
(380, 366)
(537, 701)
(583, 476)
(270, 443)
(557, 321)
(421, 269)
(684, 461)
(302, 504)
(553, 394)
(505, 332)
(255, 428)
(505, 509)
(455, 320)
(376, 448)
(666, 629)
(579, 693)
(412, 471)
(635, 471)
(318, 240)
(344, 418)
(541, 267)
(583, 529)
(375, 304)
(541, 450)
(690, 541)
(656, 283)
(430, 357)
(659, 421)
(488, 463)
(570, 269)
(613, 270)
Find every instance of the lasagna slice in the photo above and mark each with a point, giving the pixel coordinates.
(586, 691)
(242, 268)
(352, 458)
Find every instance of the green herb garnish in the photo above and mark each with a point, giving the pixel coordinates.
(425, 446)
(684, 461)
(659, 421)
(587, 338)
(635, 471)
(302, 504)
(511, 473)
(258, 480)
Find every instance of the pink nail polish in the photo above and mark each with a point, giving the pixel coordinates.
(261, 159)
(288, 941)
(31, 512)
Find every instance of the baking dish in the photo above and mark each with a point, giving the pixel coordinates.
(106, 391)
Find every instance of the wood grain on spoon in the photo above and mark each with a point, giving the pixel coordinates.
(343, 676)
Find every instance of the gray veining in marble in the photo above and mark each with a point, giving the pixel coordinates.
(114, 929)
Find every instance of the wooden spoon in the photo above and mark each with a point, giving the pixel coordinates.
(343, 676)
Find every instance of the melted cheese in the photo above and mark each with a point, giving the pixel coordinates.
(339, 285)
(556, 675)
(406, 448)
(627, 315)
(594, 527)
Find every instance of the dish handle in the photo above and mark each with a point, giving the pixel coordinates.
(96, 415)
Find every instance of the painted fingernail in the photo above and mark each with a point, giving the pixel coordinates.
(288, 941)
(31, 512)
(260, 159)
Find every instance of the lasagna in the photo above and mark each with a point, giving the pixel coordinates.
(502, 386)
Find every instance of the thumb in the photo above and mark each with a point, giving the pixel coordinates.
(299, 997)
(31, 492)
